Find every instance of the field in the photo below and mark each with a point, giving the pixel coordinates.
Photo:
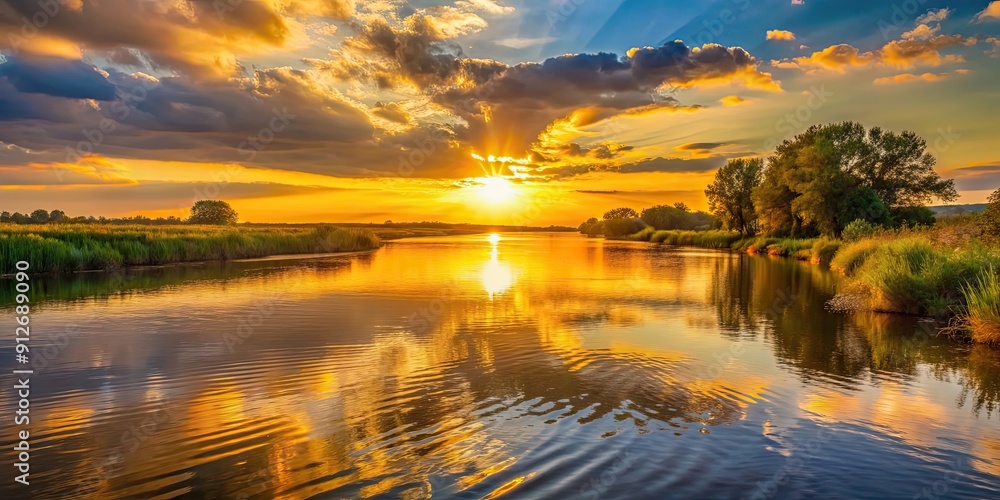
(87, 247)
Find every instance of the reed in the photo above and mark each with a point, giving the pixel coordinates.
(68, 248)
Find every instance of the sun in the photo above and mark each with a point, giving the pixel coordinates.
(495, 189)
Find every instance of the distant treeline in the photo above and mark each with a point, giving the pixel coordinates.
(41, 216)
(622, 222)
(815, 184)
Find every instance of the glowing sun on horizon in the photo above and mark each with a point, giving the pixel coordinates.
(495, 189)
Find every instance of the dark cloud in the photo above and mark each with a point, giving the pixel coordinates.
(701, 146)
(56, 77)
(198, 37)
(659, 164)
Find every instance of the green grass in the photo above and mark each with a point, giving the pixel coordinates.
(67, 248)
(823, 251)
(981, 314)
(852, 255)
(704, 239)
(911, 275)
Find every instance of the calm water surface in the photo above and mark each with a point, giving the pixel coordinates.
(545, 365)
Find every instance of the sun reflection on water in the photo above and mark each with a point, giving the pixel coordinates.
(497, 276)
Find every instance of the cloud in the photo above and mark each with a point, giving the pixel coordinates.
(836, 57)
(197, 37)
(995, 50)
(906, 53)
(732, 100)
(520, 43)
(922, 32)
(56, 77)
(910, 77)
(646, 165)
(485, 6)
(780, 35)
(934, 16)
(990, 13)
(701, 146)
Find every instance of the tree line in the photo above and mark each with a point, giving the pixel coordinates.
(624, 221)
(822, 180)
(211, 212)
(815, 184)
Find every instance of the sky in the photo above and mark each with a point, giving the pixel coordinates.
(483, 111)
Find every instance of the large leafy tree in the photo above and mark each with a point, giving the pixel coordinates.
(990, 218)
(829, 176)
(899, 169)
(620, 213)
(730, 196)
(213, 212)
(666, 217)
(40, 216)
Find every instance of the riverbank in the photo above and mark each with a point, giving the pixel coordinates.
(54, 248)
(946, 272)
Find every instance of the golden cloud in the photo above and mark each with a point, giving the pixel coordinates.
(990, 13)
(780, 35)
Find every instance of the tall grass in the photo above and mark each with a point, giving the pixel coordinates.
(981, 313)
(66, 248)
(704, 239)
(823, 251)
(911, 275)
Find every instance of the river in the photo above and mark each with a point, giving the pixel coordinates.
(524, 366)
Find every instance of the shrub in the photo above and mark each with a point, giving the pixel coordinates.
(859, 229)
(620, 228)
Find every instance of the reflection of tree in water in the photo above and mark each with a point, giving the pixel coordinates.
(981, 380)
(783, 300)
(903, 345)
(747, 292)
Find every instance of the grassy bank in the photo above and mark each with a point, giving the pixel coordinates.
(67, 248)
(818, 250)
(939, 271)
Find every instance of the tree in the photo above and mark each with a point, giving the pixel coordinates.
(214, 212)
(56, 215)
(19, 218)
(680, 205)
(730, 196)
(40, 216)
(620, 213)
(828, 176)
(5, 216)
(666, 217)
(989, 220)
(899, 169)
(592, 227)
